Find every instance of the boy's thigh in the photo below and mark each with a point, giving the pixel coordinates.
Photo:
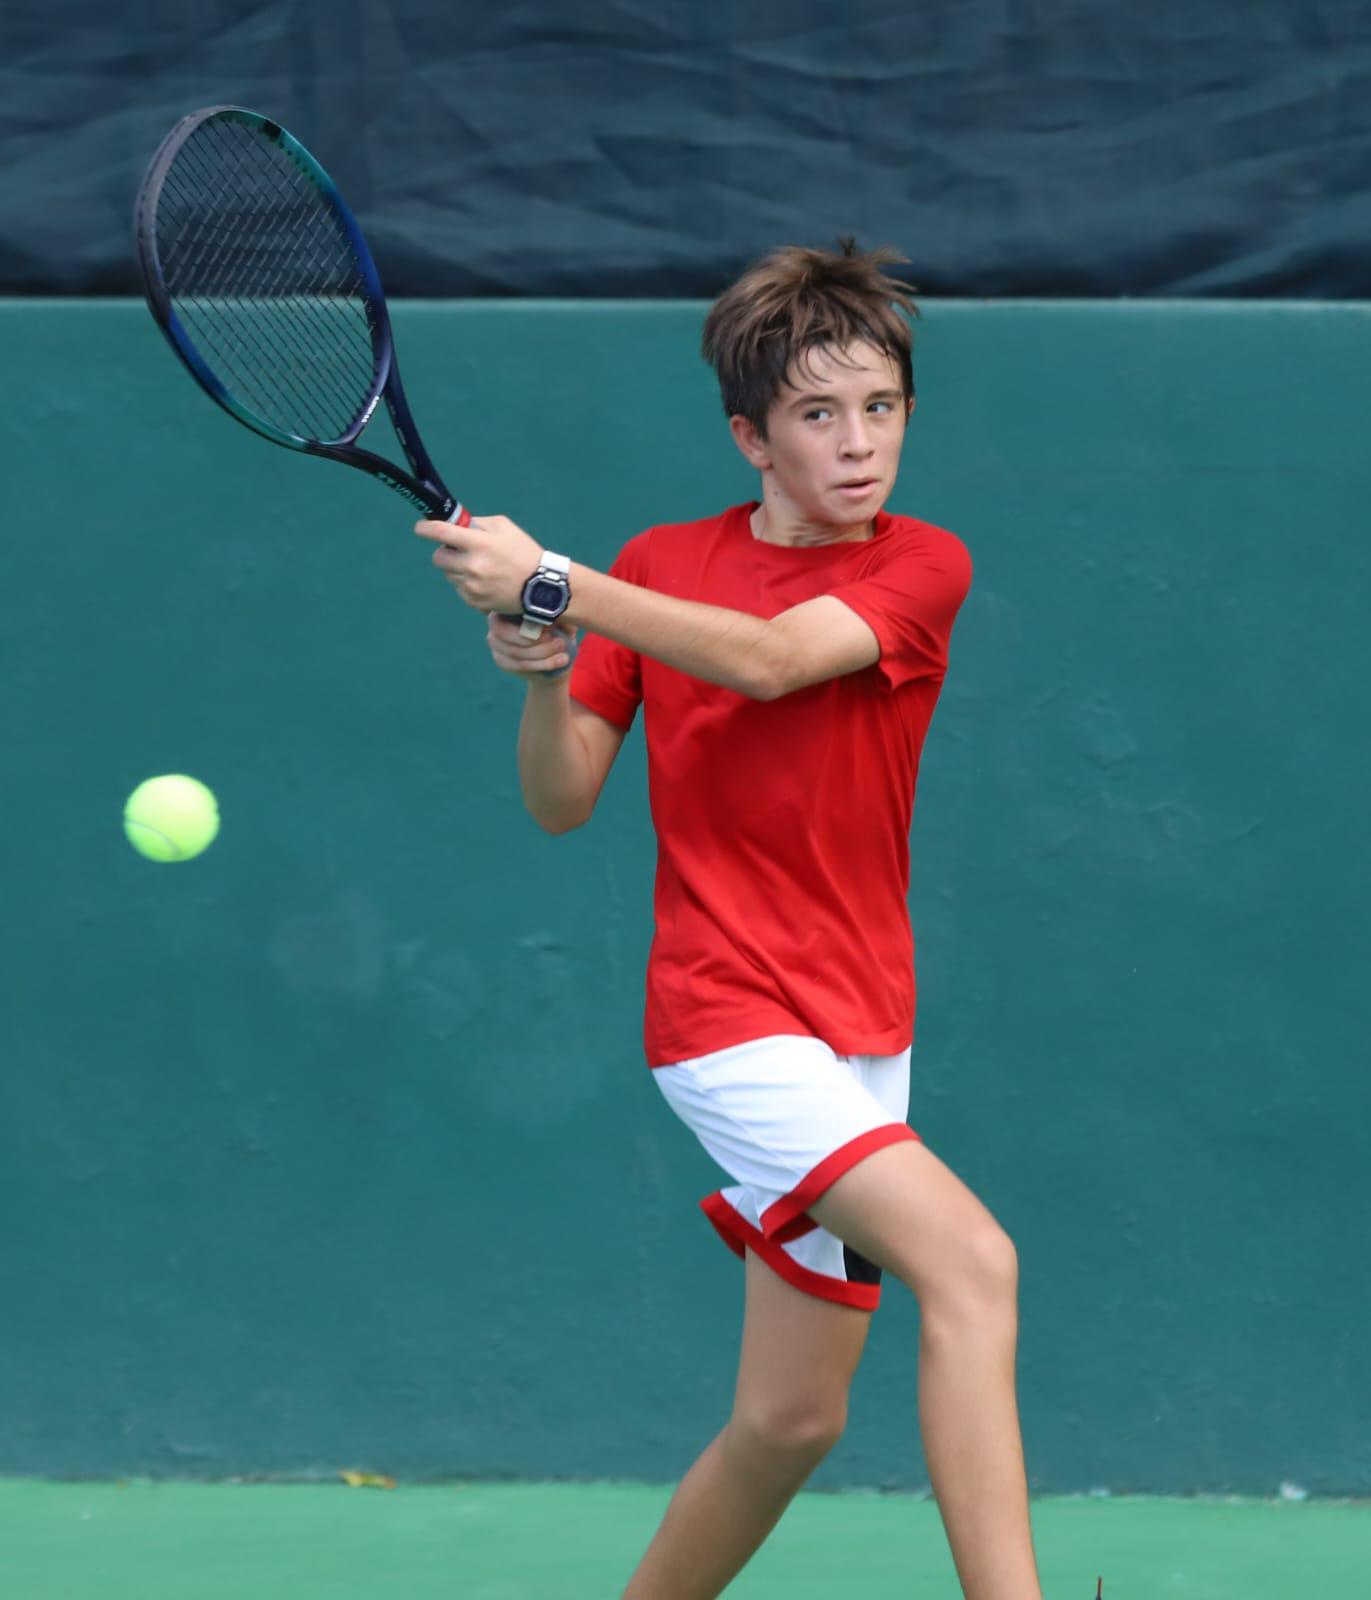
(908, 1212)
(799, 1352)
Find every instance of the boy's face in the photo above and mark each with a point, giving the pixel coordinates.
(833, 441)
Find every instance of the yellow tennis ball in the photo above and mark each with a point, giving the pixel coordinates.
(171, 818)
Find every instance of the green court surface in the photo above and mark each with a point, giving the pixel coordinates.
(186, 1541)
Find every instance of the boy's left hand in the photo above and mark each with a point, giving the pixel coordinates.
(487, 563)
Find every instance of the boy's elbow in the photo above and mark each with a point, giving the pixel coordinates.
(770, 669)
(769, 684)
(560, 825)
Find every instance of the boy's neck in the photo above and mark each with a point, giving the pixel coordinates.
(765, 528)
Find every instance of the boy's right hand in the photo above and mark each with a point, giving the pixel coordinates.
(530, 658)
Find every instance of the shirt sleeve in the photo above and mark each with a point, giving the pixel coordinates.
(606, 677)
(910, 604)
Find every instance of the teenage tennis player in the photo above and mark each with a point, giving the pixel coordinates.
(788, 655)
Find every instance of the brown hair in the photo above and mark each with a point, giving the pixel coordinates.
(794, 299)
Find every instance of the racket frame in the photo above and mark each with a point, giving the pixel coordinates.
(421, 485)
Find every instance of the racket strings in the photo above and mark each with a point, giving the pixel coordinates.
(237, 320)
(267, 279)
(284, 370)
(236, 334)
(280, 204)
(305, 326)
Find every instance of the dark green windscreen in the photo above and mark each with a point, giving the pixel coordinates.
(336, 1148)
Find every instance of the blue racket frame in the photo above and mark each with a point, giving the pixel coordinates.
(421, 485)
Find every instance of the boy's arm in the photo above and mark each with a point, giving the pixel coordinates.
(565, 753)
(757, 657)
(565, 749)
(489, 561)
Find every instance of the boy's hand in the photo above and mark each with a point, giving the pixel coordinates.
(531, 659)
(487, 563)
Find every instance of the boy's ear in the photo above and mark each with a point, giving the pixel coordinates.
(750, 442)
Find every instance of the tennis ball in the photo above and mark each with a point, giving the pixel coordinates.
(171, 818)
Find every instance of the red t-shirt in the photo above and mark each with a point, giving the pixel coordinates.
(781, 896)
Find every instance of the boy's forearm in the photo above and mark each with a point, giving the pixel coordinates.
(554, 774)
(731, 648)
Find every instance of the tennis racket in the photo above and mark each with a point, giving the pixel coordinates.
(259, 276)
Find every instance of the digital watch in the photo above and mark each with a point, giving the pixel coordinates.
(547, 594)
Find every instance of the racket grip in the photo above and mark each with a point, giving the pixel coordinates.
(462, 517)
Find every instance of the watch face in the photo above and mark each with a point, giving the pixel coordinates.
(544, 596)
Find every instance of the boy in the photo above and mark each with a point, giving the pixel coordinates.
(788, 655)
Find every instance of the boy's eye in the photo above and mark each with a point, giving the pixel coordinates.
(823, 411)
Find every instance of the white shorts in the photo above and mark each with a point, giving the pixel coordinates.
(786, 1117)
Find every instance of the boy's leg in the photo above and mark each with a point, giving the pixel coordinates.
(798, 1357)
(906, 1211)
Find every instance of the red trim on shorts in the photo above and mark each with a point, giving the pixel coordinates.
(780, 1213)
(740, 1237)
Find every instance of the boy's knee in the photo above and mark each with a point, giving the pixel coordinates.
(799, 1431)
(996, 1262)
(981, 1270)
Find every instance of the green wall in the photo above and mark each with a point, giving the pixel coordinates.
(335, 1147)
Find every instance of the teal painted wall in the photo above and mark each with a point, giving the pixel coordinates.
(335, 1148)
